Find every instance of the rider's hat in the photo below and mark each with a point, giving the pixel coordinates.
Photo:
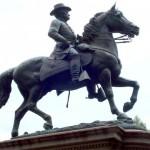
(58, 7)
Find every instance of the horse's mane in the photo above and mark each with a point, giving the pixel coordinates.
(90, 29)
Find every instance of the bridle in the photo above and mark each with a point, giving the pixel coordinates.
(123, 39)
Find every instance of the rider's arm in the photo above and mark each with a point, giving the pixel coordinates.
(54, 32)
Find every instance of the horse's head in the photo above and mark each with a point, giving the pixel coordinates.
(111, 21)
(117, 23)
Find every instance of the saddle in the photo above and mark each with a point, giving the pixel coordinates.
(51, 67)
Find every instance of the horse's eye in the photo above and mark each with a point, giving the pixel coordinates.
(118, 13)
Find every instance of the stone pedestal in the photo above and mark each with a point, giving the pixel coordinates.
(89, 138)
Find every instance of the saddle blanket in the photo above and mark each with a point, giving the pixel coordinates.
(52, 67)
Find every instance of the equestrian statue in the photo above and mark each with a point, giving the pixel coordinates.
(95, 52)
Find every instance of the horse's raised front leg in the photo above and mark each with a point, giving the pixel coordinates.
(121, 82)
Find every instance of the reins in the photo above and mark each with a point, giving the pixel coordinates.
(121, 39)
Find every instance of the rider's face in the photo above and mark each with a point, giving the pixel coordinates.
(64, 14)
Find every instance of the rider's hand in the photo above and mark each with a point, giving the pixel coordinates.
(65, 45)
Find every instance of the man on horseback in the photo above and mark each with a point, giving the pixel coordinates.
(103, 67)
(65, 39)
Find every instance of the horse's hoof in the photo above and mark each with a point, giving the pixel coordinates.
(123, 117)
(127, 106)
(14, 134)
(47, 126)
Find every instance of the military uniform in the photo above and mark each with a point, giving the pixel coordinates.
(60, 28)
(62, 31)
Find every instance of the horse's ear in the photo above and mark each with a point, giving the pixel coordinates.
(113, 7)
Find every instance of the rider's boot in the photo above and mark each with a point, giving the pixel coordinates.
(100, 95)
(75, 68)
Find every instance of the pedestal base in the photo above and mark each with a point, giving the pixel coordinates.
(89, 138)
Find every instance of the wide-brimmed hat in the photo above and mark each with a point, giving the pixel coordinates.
(58, 7)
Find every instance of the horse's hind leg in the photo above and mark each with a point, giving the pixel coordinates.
(20, 112)
(46, 117)
(35, 95)
(121, 82)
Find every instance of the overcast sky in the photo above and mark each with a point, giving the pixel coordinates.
(23, 35)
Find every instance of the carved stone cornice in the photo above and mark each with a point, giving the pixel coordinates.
(94, 138)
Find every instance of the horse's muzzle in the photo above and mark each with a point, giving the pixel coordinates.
(134, 30)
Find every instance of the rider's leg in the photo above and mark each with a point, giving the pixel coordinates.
(75, 65)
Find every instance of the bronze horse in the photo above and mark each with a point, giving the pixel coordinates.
(104, 69)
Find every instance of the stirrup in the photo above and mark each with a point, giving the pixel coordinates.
(84, 76)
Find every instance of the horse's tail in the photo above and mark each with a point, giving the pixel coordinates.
(5, 86)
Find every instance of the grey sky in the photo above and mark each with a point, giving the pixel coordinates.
(23, 35)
